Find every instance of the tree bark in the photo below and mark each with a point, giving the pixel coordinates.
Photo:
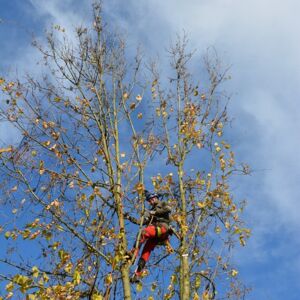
(126, 282)
(184, 259)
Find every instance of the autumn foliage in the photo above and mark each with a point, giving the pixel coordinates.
(97, 128)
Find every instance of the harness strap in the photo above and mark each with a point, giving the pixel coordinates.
(158, 231)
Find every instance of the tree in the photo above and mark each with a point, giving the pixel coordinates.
(92, 128)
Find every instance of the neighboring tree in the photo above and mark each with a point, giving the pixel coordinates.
(95, 128)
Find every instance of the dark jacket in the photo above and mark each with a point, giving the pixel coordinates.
(159, 215)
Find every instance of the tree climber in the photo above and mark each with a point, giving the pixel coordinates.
(156, 233)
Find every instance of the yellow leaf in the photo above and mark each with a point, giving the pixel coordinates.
(47, 143)
(108, 279)
(8, 149)
(217, 229)
(35, 272)
(158, 111)
(196, 296)
(42, 169)
(198, 281)
(14, 189)
(154, 83)
(132, 105)
(34, 235)
(242, 241)
(59, 227)
(234, 272)
(139, 187)
(7, 234)
(9, 287)
(201, 204)
(45, 277)
(97, 297)
(21, 280)
(227, 225)
(139, 287)
(205, 295)
(68, 267)
(76, 277)
(173, 279)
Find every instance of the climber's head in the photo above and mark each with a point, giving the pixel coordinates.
(152, 198)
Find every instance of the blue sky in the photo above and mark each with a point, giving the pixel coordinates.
(260, 39)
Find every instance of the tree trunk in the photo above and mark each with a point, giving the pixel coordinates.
(184, 276)
(184, 259)
(126, 282)
(119, 201)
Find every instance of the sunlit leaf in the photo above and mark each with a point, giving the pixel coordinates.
(139, 287)
(198, 281)
(109, 279)
(8, 149)
(35, 272)
(201, 204)
(9, 287)
(97, 297)
(7, 234)
(76, 277)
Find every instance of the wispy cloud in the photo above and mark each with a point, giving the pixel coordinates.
(68, 14)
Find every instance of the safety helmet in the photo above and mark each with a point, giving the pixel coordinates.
(149, 195)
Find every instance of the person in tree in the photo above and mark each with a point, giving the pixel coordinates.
(156, 232)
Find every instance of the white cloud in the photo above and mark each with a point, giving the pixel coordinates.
(67, 14)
